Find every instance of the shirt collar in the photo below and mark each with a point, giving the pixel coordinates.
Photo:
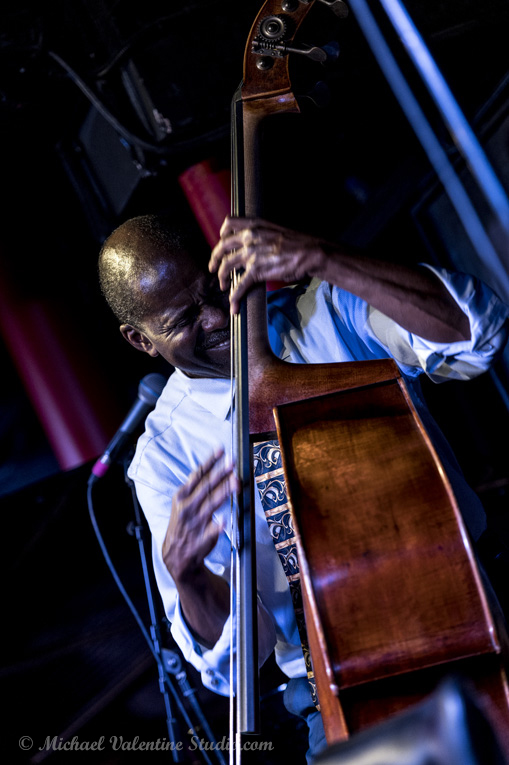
(212, 393)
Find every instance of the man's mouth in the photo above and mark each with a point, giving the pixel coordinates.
(216, 340)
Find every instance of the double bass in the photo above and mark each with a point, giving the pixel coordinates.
(394, 597)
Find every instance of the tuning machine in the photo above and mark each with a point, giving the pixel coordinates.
(338, 7)
(270, 36)
(269, 43)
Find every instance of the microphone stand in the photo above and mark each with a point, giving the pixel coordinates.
(155, 632)
(167, 661)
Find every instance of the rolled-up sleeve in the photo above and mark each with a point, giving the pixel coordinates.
(488, 318)
(213, 663)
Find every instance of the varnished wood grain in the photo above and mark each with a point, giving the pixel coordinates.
(392, 588)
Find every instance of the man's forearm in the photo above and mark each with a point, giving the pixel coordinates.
(205, 604)
(414, 298)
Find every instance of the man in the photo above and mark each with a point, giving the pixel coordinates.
(343, 307)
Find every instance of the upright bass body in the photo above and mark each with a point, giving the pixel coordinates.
(393, 595)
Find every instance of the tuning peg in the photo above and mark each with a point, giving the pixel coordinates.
(313, 52)
(324, 54)
(339, 8)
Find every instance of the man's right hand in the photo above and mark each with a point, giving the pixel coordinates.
(190, 537)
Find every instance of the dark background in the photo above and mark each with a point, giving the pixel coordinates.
(103, 106)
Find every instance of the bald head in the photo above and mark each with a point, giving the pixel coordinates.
(137, 258)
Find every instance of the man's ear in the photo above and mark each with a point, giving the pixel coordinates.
(138, 340)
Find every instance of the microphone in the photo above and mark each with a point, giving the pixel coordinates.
(149, 390)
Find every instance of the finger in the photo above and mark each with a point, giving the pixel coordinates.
(226, 246)
(192, 513)
(214, 489)
(233, 261)
(216, 256)
(255, 253)
(233, 223)
(211, 504)
(227, 226)
(208, 539)
(181, 551)
(197, 475)
(240, 290)
(236, 233)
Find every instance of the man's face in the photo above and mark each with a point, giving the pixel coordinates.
(189, 325)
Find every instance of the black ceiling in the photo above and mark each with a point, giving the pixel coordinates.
(81, 150)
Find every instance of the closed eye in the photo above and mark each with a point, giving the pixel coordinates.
(213, 295)
(181, 322)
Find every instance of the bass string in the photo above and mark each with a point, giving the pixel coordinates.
(234, 748)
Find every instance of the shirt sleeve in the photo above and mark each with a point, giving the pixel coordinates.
(214, 663)
(487, 316)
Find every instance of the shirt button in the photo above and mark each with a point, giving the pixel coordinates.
(210, 672)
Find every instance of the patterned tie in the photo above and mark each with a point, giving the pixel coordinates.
(270, 481)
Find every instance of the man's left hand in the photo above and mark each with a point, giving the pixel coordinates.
(264, 252)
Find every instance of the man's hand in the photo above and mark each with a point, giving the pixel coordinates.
(265, 252)
(190, 537)
(413, 297)
(192, 533)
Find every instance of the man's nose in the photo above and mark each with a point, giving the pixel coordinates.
(213, 318)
